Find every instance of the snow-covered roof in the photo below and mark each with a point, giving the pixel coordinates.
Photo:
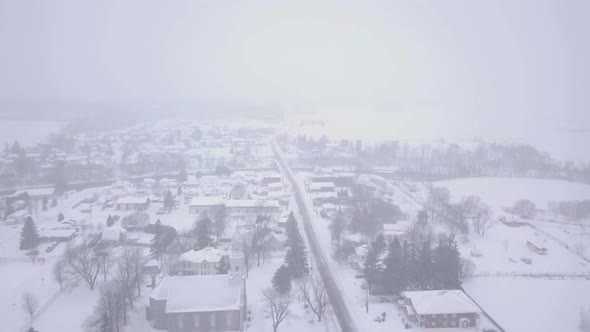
(57, 233)
(320, 185)
(133, 200)
(113, 233)
(441, 302)
(251, 203)
(199, 293)
(210, 255)
(206, 201)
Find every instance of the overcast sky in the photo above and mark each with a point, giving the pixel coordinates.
(525, 59)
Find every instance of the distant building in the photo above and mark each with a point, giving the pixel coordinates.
(198, 303)
(441, 309)
(322, 187)
(250, 209)
(132, 203)
(204, 204)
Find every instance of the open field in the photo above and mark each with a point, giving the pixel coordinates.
(532, 304)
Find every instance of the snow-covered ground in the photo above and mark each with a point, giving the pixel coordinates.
(531, 304)
(502, 243)
(504, 192)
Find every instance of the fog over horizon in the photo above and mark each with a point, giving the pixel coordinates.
(498, 70)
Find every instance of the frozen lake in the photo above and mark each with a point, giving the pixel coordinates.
(27, 132)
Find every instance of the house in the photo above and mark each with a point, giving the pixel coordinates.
(200, 262)
(204, 204)
(441, 309)
(132, 203)
(536, 247)
(114, 234)
(38, 194)
(57, 235)
(322, 187)
(249, 209)
(274, 241)
(198, 303)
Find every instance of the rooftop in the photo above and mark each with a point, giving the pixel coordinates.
(199, 293)
(211, 255)
(441, 302)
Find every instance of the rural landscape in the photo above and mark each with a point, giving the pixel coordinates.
(196, 166)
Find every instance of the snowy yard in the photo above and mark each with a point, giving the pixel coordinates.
(503, 247)
(531, 304)
(504, 192)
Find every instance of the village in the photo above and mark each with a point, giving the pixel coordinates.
(223, 227)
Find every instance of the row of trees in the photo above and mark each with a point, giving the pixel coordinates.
(470, 213)
(413, 266)
(117, 294)
(279, 298)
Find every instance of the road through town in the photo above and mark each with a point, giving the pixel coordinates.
(339, 306)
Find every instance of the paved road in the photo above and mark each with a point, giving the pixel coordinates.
(342, 314)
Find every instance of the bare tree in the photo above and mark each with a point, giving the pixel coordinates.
(276, 306)
(107, 260)
(479, 213)
(29, 304)
(129, 268)
(246, 251)
(84, 263)
(63, 274)
(315, 296)
(110, 311)
(437, 202)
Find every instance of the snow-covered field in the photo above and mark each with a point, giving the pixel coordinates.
(502, 243)
(503, 192)
(532, 304)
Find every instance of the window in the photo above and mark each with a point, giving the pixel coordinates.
(228, 320)
(212, 320)
(180, 321)
(196, 320)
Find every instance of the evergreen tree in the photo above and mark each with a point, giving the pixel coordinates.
(447, 265)
(169, 201)
(60, 217)
(29, 237)
(393, 267)
(157, 248)
(223, 267)
(15, 149)
(110, 221)
(296, 257)
(203, 232)
(182, 176)
(281, 281)
(425, 267)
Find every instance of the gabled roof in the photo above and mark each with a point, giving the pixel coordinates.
(199, 293)
(441, 302)
(209, 255)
